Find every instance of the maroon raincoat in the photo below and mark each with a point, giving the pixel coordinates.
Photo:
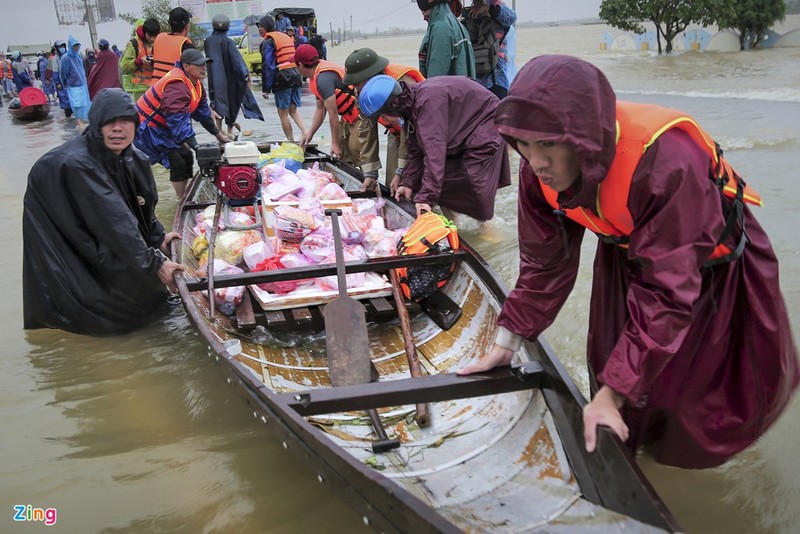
(456, 158)
(703, 355)
(105, 73)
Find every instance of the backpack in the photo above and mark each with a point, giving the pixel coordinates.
(485, 44)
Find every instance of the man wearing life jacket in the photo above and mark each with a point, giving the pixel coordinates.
(353, 138)
(690, 350)
(136, 63)
(360, 66)
(279, 75)
(167, 47)
(166, 111)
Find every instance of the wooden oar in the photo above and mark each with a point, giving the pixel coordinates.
(423, 417)
(210, 263)
(346, 339)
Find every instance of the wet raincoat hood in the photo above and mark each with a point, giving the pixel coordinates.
(109, 104)
(563, 99)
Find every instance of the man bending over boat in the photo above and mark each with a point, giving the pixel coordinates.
(456, 159)
(94, 252)
(690, 350)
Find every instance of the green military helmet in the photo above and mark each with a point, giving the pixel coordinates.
(362, 64)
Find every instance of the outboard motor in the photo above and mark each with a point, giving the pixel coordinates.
(235, 173)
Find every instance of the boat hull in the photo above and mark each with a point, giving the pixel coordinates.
(504, 452)
(31, 113)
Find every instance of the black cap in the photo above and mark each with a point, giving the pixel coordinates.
(193, 56)
(267, 22)
(179, 16)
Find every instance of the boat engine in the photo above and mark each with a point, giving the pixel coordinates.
(235, 173)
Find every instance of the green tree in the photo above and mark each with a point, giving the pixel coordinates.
(752, 18)
(670, 17)
(159, 9)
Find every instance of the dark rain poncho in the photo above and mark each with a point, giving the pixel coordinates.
(704, 356)
(90, 234)
(228, 83)
(455, 156)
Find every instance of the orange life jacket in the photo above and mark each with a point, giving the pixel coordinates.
(142, 75)
(398, 71)
(149, 104)
(284, 50)
(427, 230)
(2, 69)
(346, 102)
(638, 127)
(166, 51)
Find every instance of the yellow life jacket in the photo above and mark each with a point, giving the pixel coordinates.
(422, 237)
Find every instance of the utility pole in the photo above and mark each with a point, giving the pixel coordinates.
(333, 41)
(344, 30)
(351, 27)
(90, 20)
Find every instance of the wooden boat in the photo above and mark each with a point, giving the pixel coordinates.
(504, 451)
(32, 105)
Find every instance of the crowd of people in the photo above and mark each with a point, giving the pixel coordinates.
(690, 350)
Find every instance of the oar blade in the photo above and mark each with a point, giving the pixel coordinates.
(346, 342)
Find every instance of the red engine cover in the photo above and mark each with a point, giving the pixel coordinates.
(238, 181)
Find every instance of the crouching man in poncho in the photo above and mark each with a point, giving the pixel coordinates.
(94, 253)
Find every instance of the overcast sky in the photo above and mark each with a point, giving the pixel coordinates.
(36, 23)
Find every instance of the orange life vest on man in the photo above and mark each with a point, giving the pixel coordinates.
(149, 104)
(346, 102)
(638, 127)
(2, 68)
(398, 71)
(166, 51)
(142, 75)
(284, 50)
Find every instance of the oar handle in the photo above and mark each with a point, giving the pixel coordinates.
(210, 264)
(337, 244)
(423, 417)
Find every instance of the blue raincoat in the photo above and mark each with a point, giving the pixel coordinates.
(73, 77)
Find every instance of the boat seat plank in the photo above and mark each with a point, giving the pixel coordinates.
(328, 269)
(245, 316)
(441, 387)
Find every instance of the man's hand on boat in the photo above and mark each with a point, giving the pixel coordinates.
(603, 410)
(168, 238)
(497, 357)
(369, 184)
(406, 192)
(166, 274)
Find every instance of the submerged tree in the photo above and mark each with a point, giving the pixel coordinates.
(752, 19)
(670, 17)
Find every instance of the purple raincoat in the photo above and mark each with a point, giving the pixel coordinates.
(455, 156)
(703, 355)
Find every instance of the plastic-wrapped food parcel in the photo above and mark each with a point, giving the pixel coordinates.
(296, 232)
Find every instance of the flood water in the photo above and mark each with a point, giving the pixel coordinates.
(141, 433)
